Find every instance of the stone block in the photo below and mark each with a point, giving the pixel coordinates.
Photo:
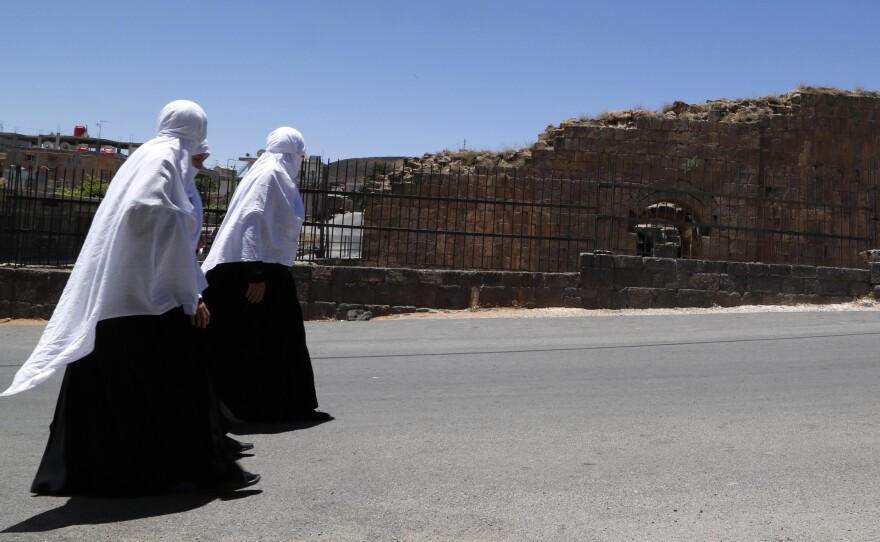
(494, 296)
(426, 296)
(598, 278)
(726, 283)
(358, 292)
(343, 309)
(833, 287)
(874, 270)
(857, 275)
(629, 262)
(605, 261)
(559, 280)
(783, 299)
(345, 274)
(831, 273)
(617, 301)
(455, 278)
(318, 290)
(487, 278)
(659, 279)
(552, 297)
(717, 268)
(728, 299)
(372, 274)
(572, 301)
(803, 271)
(750, 298)
(664, 298)
(686, 268)
(638, 298)
(301, 273)
(397, 294)
(402, 276)
(587, 260)
(453, 297)
(321, 272)
(26, 310)
(632, 277)
(302, 290)
(666, 265)
(703, 281)
(430, 277)
(737, 268)
(378, 310)
(402, 309)
(764, 283)
(775, 270)
(595, 299)
(7, 291)
(695, 298)
(792, 285)
(519, 280)
(758, 269)
(858, 289)
(522, 297)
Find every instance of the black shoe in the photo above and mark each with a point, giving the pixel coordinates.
(246, 479)
(312, 416)
(230, 445)
(233, 482)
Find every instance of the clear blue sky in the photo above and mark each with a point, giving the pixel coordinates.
(406, 77)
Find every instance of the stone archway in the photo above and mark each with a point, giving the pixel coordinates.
(666, 230)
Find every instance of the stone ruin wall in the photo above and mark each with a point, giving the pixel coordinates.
(754, 156)
(421, 235)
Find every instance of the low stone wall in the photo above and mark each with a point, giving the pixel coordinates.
(30, 293)
(604, 281)
(333, 292)
(615, 282)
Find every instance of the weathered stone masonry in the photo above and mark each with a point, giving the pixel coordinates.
(788, 179)
(604, 281)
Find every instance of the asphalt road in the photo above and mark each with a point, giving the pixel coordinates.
(684, 427)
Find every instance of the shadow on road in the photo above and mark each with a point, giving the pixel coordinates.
(95, 511)
(254, 428)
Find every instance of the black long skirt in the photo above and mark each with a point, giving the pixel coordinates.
(262, 368)
(134, 416)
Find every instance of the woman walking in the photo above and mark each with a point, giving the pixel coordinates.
(263, 371)
(133, 413)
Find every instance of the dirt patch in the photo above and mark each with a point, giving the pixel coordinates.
(863, 304)
(21, 322)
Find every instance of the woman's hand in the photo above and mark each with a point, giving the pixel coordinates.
(255, 292)
(202, 317)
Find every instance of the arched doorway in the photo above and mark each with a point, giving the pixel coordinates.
(666, 230)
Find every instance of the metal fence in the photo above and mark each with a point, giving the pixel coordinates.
(380, 213)
(45, 214)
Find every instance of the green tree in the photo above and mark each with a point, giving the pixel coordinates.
(91, 187)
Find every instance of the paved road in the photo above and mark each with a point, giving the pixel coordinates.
(685, 427)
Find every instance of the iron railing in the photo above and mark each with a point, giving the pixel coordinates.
(396, 214)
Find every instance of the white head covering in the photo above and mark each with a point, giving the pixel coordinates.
(266, 213)
(139, 254)
(192, 191)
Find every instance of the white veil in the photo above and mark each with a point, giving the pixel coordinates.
(266, 213)
(139, 254)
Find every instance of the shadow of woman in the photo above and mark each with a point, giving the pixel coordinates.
(95, 511)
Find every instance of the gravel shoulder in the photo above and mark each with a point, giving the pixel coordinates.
(867, 303)
(861, 304)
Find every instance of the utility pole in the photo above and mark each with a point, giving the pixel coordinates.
(100, 124)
